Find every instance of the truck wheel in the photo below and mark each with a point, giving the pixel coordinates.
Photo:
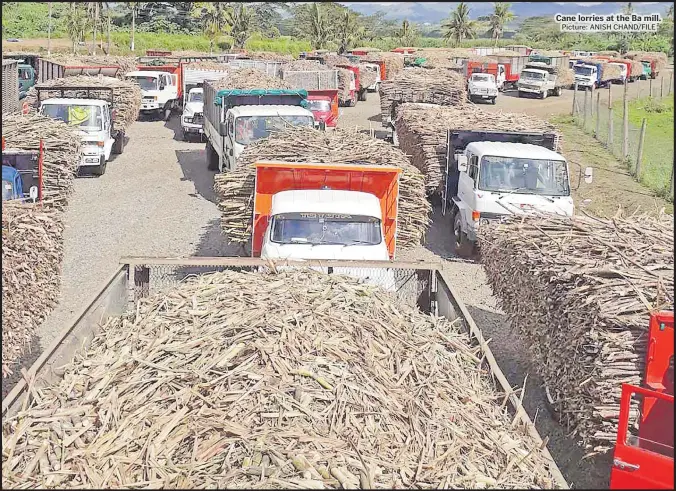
(212, 158)
(543, 95)
(493, 100)
(352, 102)
(463, 246)
(362, 95)
(101, 169)
(167, 113)
(557, 91)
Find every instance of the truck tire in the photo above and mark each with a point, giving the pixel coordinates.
(543, 95)
(557, 91)
(101, 169)
(118, 145)
(362, 95)
(493, 100)
(352, 102)
(212, 158)
(463, 246)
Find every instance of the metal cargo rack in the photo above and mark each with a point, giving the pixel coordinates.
(80, 90)
(418, 283)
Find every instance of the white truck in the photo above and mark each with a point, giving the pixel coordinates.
(538, 79)
(482, 86)
(192, 119)
(160, 91)
(375, 68)
(235, 118)
(492, 175)
(95, 122)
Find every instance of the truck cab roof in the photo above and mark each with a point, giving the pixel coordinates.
(270, 110)
(75, 101)
(326, 201)
(512, 150)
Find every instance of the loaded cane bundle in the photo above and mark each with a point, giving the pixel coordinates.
(301, 144)
(126, 94)
(580, 291)
(32, 249)
(437, 86)
(660, 59)
(422, 129)
(249, 79)
(295, 380)
(126, 63)
(344, 75)
(62, 150)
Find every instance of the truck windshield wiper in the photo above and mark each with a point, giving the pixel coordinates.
(507, 193)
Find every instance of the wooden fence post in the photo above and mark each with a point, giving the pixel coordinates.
(625, 123)
(598, 114)
(671, 183)
(591, 101)
(611, 128)
(662, 87)
(639, 156)
(651, 87)
(572, 111)
(584, 112)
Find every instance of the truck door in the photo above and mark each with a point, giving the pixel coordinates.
(228, 154)
(500, 79)
(107, 131)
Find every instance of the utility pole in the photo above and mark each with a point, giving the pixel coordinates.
(49, 32)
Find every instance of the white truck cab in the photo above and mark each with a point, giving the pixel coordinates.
(247, 124)
(94, 121)
(497, 179)
(159, 91)
(193, 113)
(482, 86)
(375, 68)
(537, 81)
(586, 76)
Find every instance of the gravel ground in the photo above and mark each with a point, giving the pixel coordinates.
(157, 199)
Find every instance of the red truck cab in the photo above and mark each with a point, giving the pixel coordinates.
(359, 92)
(324, 106)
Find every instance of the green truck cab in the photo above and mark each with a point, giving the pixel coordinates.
(26, 79)
(647, 70)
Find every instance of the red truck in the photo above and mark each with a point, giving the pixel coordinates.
(324, 106)
(161, 82)
(358, 93)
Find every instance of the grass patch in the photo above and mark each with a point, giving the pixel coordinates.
(613, 186)
(658, 147)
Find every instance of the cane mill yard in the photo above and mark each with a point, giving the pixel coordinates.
(157, 199)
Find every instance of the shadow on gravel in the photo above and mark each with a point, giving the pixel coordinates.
(440, 234)
(174, 124)
(376, 118)
(514, 358)
(26, 360)
(194, 166)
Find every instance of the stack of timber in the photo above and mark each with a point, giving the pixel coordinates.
(580, 291)
(321, 383)
(32, 249)
(437, 86)
(126, 94)
(301, 144)
(422, 129)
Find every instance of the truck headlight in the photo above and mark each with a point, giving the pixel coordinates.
(187, 120)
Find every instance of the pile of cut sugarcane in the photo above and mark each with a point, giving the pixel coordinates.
(126, 94)
(344, 75)
(422, 129)
(32, 249)
(580, 291)
(394, 62)
(436, 86)
(269, 56)
(62, 150)
(249, 79)
(660, 59)
(126, 63)
(295, 380)
(302, 144)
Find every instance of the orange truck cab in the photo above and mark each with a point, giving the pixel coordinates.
(324, 106)
(646, 460)
(325, 211)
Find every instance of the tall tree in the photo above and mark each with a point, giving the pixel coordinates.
(134, 7)
(497, 20)
(239, 19)
(312, 22)
(214, 19)
(348, 31)
(407, 35)
(459, 26)
(76, 22)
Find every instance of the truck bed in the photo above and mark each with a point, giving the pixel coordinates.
(417, 283)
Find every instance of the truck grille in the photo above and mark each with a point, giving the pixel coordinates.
(198, 118)
(148, 99)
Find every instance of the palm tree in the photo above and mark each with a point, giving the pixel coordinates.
(134, 7)
(627, 9)
(348, 31)
(408, 34)
(76, 22)
(214, 19)
(239, 19)
(459, 26)
(94, 9)
(319, 29)
(670, 12)
(500, 16)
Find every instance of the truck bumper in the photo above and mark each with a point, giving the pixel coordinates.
(193, 129)
(483, 96)
(530, 91)
(90, 161)
(150, 106)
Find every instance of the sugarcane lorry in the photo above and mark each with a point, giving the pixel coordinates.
(539, 79)
(192, 119)
(235, 118)
(161, 85)
(22, 173)
(92, 117)
(491, 175)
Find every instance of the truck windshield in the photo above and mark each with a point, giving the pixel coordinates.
(25, 73)
(7, 190)
(146, 83)
(482, 78)
(524, 176)
(248, 129)
(583, 70)
(196, 97)
(325, 228)
(532, 75)
(323, 106)
(85, 117)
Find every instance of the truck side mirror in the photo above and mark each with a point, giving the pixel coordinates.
(33, 193)
(223, 129)
(322, 125)
(588, 175)
(462, 162)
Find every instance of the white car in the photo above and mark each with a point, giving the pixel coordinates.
(482, 86)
